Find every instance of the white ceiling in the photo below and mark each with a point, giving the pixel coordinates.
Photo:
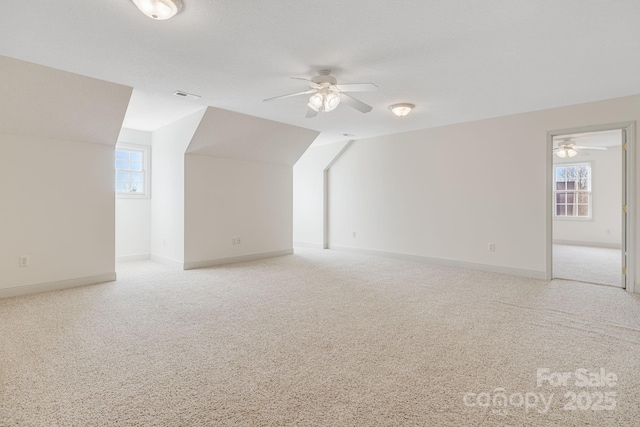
(31, 106)
(455, 60)
(231, 135)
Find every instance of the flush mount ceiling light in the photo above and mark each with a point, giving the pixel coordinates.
(401, 110)
(159, 9)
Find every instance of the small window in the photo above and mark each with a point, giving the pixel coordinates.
(572, 191)
(132, 170)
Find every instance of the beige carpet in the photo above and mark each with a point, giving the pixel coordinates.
(588, 264)
(320, 338)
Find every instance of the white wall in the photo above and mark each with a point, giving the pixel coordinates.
(605, 226)
(167, 186)
(239, 183)
(58, 105)
(446, 192)
(230, 135)
(226, 198)
(308, 193)
(57, 137)
(133, 216)
(58, 209)
(201, 199)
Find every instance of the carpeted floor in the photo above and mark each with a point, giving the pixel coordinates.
(321, 338)
(588, 264)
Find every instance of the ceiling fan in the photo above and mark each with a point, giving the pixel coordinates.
(567, 148)
(327, 94)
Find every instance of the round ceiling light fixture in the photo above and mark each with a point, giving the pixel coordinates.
(159, 9)
(402, 109)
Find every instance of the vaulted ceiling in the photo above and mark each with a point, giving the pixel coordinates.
(455, 60)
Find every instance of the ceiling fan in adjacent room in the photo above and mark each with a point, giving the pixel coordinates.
(567, 148)
(326, 94)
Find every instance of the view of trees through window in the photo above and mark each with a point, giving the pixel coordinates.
(573, 190)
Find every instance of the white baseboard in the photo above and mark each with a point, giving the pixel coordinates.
(447, 262)
(167, 261)
(132, 258)
(220, 261)
(308, 245)
(590, 244)
(54, 286)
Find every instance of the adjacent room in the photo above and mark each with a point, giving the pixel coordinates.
(588, 214)
(319, 213)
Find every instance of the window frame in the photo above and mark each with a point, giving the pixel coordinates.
(146, 170)
(589, 192)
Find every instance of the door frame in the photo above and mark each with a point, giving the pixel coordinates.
(629, 171)
(325, 195)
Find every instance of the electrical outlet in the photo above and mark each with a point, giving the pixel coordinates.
(234, 241)
(23, 261)
(353, 234)
(491, 247)
(238, 241)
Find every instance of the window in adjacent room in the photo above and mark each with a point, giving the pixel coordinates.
(132, 171)
(572, 188)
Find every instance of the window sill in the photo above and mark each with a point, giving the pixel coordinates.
(132, 196)
(573, 218)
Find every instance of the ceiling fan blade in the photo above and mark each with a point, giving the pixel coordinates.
(302, 78)
(357, 87)
(311, 113)
(581, 147)
(354, 103)
(306, 92)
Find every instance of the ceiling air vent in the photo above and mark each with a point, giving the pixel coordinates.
(187, 95)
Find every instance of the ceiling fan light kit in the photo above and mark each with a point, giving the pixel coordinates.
(159, 9)
(401, 109)
(327, 94)
(325, 102)
(566, 152)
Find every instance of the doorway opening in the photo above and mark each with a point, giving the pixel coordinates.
(588, 213)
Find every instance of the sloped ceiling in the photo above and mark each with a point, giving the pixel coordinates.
(456, 60)
(44, 102)
(231, 135)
